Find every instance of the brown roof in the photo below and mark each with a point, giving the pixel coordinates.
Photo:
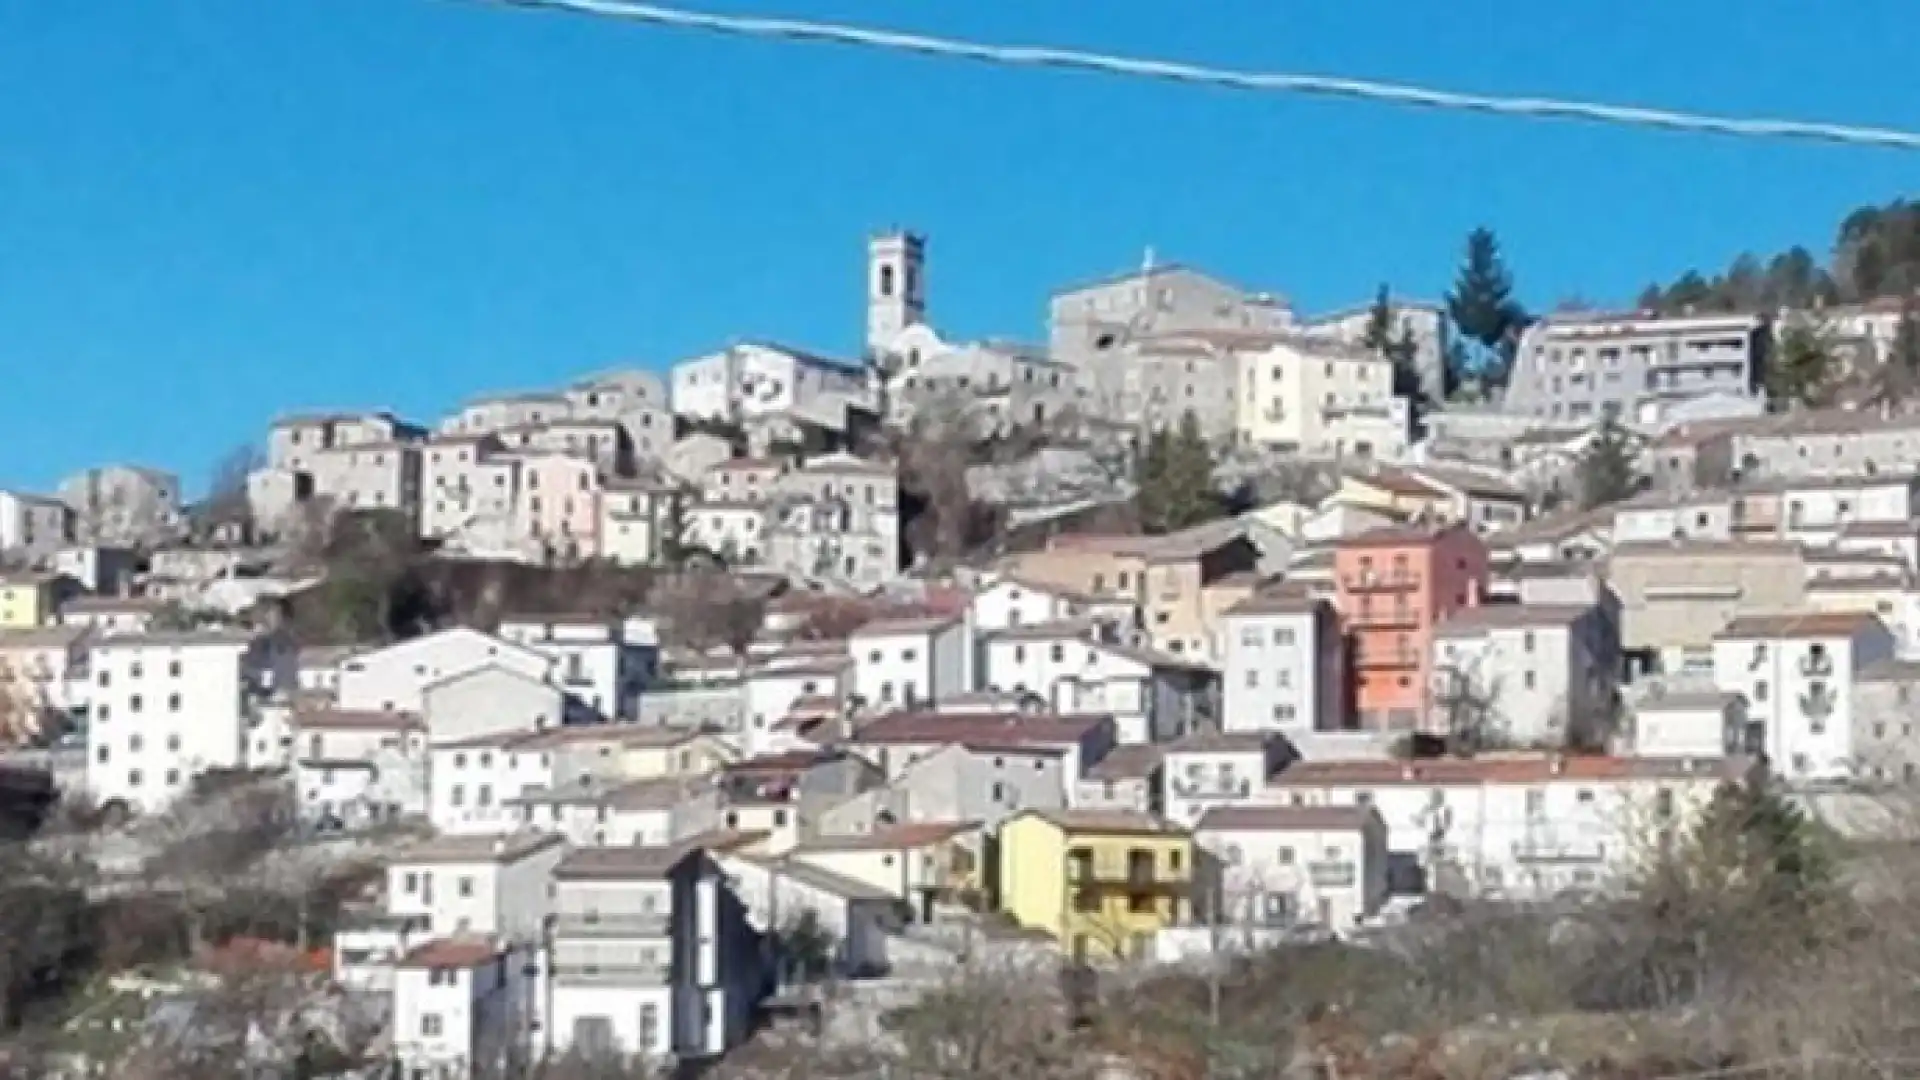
(631, 736)
(1396, 536)
(1511, 616)
(467, 952)
(1057, 630)
(1137, 762)
(1502, 769)
(977, 729)
(1807, 624)
(1218, 742)
(113, 603)
(894, 838)
(1284, 817)
(908, 624)
(357, 720)
(1108, 821)
(623, 863)
(1285, 600)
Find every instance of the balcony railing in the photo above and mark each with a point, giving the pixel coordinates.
(1386, 659)
(1818, 701)
(1816, 665)
(1370, 581)
(1386, 617)
(1131, 879)
(1332, 875)
(612, 974)
(1238, 787)
(603, 924)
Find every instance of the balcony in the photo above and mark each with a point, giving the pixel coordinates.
(1332, 875)
(1386, 659)
(612, 974)
(1370, 581)
(604, 924)
(1816, 665)
(1818, 702)
(1236, 787)
(1135, 878)
(1392, 617)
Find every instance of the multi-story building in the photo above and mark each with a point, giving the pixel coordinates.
(1529, 674)
(997, 384)
(1579, 367)
(1285, 665)
(368, 476)
(558, 505)
(461, 482)
(1523, 827)
(292, 441)
(1181, 582)
(1323, 399)
(496, 886)
(651, 955)
(1101, 883)
(1392, 587)
(1886, 716)
(44, 682)
(911, 662)
(33, 527)
(462, 1007)
(746, 479)
(603, 443)
(167, 707)
(1071, 668)
(1220, 768)
(351, 768)
(1824, 443)
(637, 400)
(394, 678)
(637, 516)
(1437, 494)
(759, 378)
(1423, 323)
(498, 412)
(593, 661)
(31, 598)
(122, 504)
(1675, 596)
(1280, 867)
(1090, 326)
(1797, 675)
(836, 518)
(1162, 378)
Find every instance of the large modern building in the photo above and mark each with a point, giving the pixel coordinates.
(1573, 368)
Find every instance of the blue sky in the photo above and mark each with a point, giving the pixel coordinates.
(213, 210)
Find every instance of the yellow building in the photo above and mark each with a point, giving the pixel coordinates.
(27, 600)
(1101, 882)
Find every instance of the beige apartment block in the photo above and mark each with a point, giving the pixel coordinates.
(1675, 596)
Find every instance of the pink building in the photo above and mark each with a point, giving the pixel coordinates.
(1393, 586)
(559, 504)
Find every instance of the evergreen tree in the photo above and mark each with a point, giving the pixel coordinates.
(1607, 473)
(1483, 308)
(1800, 367)
(1193, 494)
(1379, 332)
(1897, 378)
(1151, 498)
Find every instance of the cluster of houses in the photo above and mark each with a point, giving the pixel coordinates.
(1111, 747)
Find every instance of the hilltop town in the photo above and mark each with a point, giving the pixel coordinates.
(731, 714)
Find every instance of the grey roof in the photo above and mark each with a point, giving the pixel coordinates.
(623, 863)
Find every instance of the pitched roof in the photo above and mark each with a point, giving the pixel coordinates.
(460, 952)
(1499, 769)
(1105, 821)
(1277, 818)
(327, 719)
(1806, 624)
(1486, 617)
(647, 862)
(1137, 762)
(892, 838)
(977, 729)
(456, 848)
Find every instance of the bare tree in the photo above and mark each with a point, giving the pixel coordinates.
(1469, 709)
(227, 504)
(707, 609)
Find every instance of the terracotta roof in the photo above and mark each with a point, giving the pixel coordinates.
(1396, 536)
(1264, 818)
(452, 953)
(893, 838)
(1057, 630)
(1285, 600)
(1137, 762)
(1504, 769)
(1032, 584)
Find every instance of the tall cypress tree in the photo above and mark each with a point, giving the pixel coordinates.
(1482, 305)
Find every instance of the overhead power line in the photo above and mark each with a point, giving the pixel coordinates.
(1196, 74)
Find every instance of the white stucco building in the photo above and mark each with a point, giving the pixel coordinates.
(1285, 665)
(1796, 673)
(901, 663)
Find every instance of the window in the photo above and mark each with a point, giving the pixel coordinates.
(466, 887)
(133, 703)
(1283, 637)
(1284, 856)
(173, 742)
(1531, 680)
(410, 883)
(1527, 642)
(173, 702)
(430, 1025)
(133, 778)
(1253, 679)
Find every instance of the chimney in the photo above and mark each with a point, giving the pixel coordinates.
(499, 845)
(1557, 764)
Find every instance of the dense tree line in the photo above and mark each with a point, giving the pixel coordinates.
(1876, 253)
